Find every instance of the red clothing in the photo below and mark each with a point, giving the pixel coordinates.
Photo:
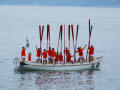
(38, 53)
(44, 54)
(53, 53)
(49, 52)
(80, 51)
(91, 50)
(57, 58)
(60, 57)
(23, 52)
(69, 58)
(66, 51)
(29, 57)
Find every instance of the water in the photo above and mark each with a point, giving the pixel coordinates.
(17, 22)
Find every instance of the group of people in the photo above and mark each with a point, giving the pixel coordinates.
(51, 56)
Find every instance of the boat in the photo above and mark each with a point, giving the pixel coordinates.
(57, 67)
(65, 64)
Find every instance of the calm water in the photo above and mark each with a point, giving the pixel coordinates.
(18, 22)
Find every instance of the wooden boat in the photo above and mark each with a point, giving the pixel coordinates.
(57, 67)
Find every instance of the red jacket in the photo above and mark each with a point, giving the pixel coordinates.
(91, 51)
(80, 51)
(23, 52)
(38, 53)
(44, 54)
(60, 57)
(69, 58)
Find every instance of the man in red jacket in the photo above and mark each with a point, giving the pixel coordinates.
(38, 54)
(68, 59)
(44, 56)
(81, 56)
(91, 53)
(23, 53)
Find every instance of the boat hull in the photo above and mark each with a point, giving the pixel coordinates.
(61, 67)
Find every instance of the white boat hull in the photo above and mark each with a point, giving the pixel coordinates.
(61, 67)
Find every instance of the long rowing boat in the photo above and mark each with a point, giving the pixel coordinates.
(57, 67)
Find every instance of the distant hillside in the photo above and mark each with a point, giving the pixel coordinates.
(105, 3)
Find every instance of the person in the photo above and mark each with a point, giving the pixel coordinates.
(49, 52)
(91, 53)
(53, 55)
(23, 53)
(81, 56)
(68, 59)
(38, 54)
(66, 51)
(44, 56)
(29, 56)
(60, 57)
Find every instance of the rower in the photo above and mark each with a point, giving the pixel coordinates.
(44, 56)
(23, 53)
(53, 55)
(66, 51)
(69, 56)
(91, 53)
(49, 55)
(60, 57)
(38, 54)
(29, 56)
(81, 56)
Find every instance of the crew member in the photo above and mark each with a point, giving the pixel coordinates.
(29, 56)
(91, 53)
(44, 56)
(53, 55)
(23, 53)
(68, 59)
(81, 56)
(38, 54)
(49, 55)
(66, 51)
(60, 57)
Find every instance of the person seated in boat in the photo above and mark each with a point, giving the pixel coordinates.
(80, 52)
(44, 54)
(53, 55)
(60, 57)
(68, 59)
(49, 55)
(23, 54)
(38, 54)
(29, 56)
(66, 51)
(91, 53)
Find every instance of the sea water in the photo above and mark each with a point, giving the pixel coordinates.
(19, 22)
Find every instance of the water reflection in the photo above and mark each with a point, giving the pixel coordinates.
(73, 80)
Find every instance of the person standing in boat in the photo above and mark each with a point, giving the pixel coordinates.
(49, 55)
(29, 56)
(60, 57)
(38, 54)
(91, 53)
(53, 55)
(80, 52)
(68, 59)
(23, 54)
(44, 56)
(66, 51)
